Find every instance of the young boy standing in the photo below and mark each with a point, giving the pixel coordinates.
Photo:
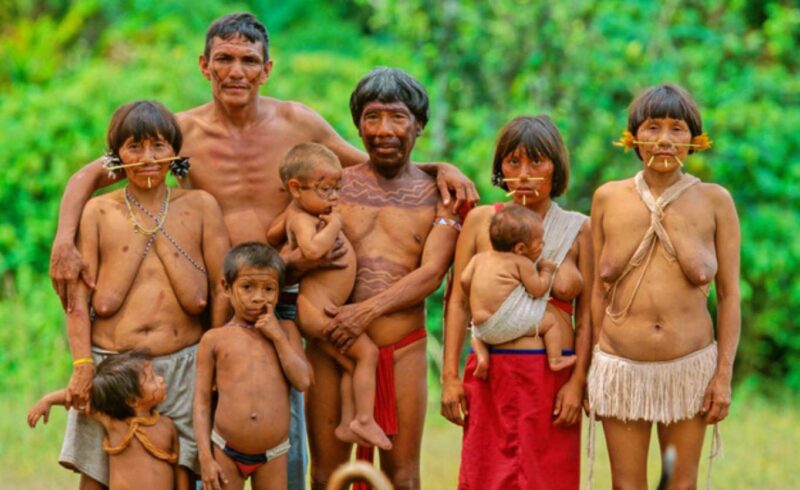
(251, 360)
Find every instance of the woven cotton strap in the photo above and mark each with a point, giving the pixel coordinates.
(655, 234)
(134, 430)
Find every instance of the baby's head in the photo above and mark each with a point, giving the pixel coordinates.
(517, 229)
(253, 276)
(125, 382)
(312, 174)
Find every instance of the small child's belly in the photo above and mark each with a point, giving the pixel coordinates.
(254, 420)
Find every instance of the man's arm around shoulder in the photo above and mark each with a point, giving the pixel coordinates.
(66, 264)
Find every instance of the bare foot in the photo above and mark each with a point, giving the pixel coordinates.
(481, 369)
(559, 363)
(345, 434)
(370, 431)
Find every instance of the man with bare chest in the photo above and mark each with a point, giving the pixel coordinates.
(404, 238)
(235, 143)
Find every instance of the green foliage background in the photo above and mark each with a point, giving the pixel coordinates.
(66, 65)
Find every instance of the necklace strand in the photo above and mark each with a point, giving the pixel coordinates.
(137, 227)
(242, 325)
(160, 220)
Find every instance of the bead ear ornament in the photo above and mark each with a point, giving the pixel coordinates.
(111, 162)
(180, 167)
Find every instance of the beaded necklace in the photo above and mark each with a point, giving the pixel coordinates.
(152, 232)
(160, 219)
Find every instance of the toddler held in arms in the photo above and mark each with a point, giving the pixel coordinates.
(311, 173)
(251, 360)
(141, 444)
(506, 291)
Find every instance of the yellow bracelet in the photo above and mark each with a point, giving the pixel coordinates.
(83, 360)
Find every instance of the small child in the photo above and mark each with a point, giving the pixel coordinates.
(141, 444)
(312, 175)
(250, 360)
(502, 283)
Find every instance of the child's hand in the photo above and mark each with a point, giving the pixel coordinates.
(547, 265)
(333, 218)
(212, 475)
(269, 326)
(40, 409)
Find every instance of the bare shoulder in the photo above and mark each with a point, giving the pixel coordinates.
(720, 200)
(301, 218)
(210, 337)
(194, 197)
(477, 217)
(480, 213)
(97, 203)
(479, 258)
(715, 192)
(167, 423)
(291, 110)
(612, 187)
(297, 115)
(192, 118)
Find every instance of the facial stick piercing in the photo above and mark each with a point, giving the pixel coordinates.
(523, 199)
(149, 184)
(523, 179)
(136, 164)
(535, 191)
(511, 193)
(678, 160)
(649, 162)
(665, 163)
(688, 145)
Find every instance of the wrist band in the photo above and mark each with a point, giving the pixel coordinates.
(83, 360)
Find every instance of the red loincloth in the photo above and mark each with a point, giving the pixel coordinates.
(385, 402)
(510, 441)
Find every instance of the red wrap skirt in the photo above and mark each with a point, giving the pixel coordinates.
(510, 441)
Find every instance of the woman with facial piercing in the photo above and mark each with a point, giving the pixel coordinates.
(522, 419)
(155, 257)
(660, 238)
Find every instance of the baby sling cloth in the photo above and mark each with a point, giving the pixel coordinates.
(520, 314)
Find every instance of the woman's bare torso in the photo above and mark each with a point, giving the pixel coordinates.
(668, 315)
(567, 285)
(148, 301)
(252, 413)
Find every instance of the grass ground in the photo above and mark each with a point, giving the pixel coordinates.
(760, 439)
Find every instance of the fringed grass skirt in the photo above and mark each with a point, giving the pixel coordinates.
(661, 391)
